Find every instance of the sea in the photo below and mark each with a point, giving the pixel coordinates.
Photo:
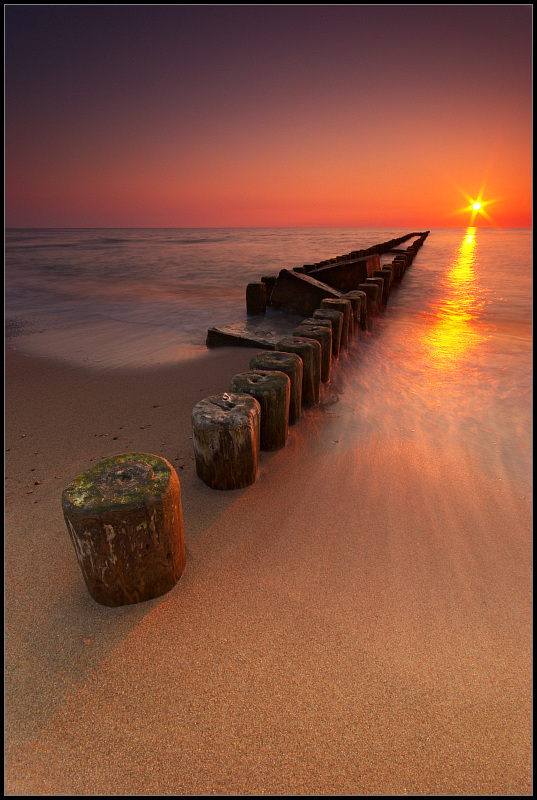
(455, 337)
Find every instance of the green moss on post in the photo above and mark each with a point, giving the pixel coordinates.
(125, 521)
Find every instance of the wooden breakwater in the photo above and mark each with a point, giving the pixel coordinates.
(276, 303)
(124, 515)
(304, 316)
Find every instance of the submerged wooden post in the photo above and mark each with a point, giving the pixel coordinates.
(226, 430)
(372, 292)
(125, 521)
(322, 334)
(272, 390)
(291, 364)
(385, 277)
(309, 351)
(380, 284)
(256, 298)
(270, 283)
(388, 269)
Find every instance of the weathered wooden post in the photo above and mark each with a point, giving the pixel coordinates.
(345, 306)
(371, 290)
(359, 307)
(226, 430)
(270, 283)
(380, 284)
(125, 521)
(388, 273)
(309, 351)
(256, 298)
(400, 264)
(385, 278)
(336, 321)
(272, 390)
(291, 364)
(323, 335)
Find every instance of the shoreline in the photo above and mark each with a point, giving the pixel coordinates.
(358, 621)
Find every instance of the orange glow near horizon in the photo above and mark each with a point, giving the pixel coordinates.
(453, 334)
(267, 116)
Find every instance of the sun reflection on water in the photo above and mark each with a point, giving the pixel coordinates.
(454, 332)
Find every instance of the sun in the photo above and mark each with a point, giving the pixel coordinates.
(476, 206)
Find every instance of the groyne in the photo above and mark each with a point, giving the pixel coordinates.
(276, 304)
(124, 516)
(316, 309)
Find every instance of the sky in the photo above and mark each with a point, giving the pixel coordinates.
(268, 116)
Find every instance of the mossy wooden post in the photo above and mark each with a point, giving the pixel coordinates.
(323, 335)
(272, 390)
(125, 521)
(344, 306)
(291, 364)
(226, 430)
(309, 351)
(335, 318)
(256, 298)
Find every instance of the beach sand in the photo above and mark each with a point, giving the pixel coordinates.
(356, 622)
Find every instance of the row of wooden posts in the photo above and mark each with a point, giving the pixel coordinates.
(124, 515)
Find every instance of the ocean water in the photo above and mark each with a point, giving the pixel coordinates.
(454, 344)
(153, 292)
(127, 297)
(150, 290)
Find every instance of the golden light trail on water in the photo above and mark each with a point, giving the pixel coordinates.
(454, 333)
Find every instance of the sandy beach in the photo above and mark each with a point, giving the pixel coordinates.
(356, 622)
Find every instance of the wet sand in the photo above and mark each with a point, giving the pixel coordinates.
(356, 622)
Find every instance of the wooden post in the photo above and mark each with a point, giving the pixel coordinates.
(380, 284)
(256, 298)
(272, 390)
(291, 364)
(344, 306)
(226, 430)
(270, 283)
(125, 521)
(388, 273)
(309, 351)
(360, 309)
(323, 335)
(335, 318)
(372, 292)
(385, 277)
